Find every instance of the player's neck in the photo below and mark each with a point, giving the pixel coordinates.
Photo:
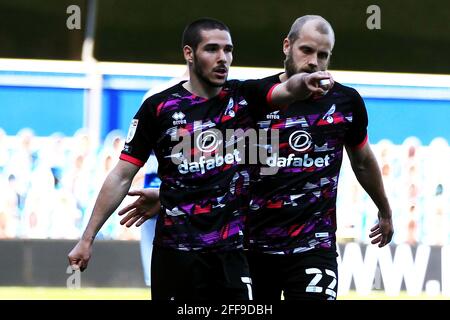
(200, 88)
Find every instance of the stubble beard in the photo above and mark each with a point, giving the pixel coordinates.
(291, 69)
(203, 78)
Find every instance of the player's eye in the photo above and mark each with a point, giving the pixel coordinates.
(306, 50)
(228, 49)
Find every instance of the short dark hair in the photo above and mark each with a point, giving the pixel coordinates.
(191, 34)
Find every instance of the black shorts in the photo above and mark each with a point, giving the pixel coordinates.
(310, 275)
(194, 276)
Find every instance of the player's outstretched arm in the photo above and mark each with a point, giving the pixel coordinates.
(142, 209)
(367, 171)
(114, 189)
(300, 86)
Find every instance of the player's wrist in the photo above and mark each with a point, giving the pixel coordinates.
(87, 238)
(385, 213)
(302, 90)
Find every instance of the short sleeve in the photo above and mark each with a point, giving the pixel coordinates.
(357, 135)
(258, 94)
(141, 137)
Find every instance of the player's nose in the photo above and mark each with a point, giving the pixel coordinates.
(312, 62)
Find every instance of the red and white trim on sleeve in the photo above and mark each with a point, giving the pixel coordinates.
(131, 159)
(362, 144)
(269, 94)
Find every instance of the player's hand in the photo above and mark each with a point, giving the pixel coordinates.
(80, 255)
(383, 231)
(145, 207)
(319, 83)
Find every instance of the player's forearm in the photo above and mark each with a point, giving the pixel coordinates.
(112, 193)
(369, 176)
(297, 88)
(291, 90)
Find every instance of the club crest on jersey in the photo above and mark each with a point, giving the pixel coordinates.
(329, 115)
(229, 110)
(273, 115)
(132, 130)
(178, 118)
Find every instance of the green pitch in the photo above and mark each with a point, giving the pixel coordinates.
(46, 293)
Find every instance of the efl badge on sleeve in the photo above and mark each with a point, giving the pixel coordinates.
(132, 130)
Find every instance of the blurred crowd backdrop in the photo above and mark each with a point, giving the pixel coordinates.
(48, 187)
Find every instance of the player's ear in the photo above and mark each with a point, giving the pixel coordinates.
(188, 54)
(286, 46)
